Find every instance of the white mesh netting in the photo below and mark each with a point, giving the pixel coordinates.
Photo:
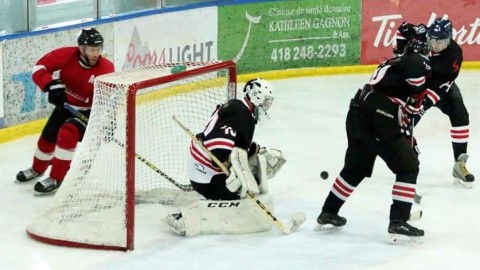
(90, 206)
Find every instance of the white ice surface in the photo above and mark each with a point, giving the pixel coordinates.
(307, 123)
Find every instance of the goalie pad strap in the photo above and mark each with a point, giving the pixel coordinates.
(240, 167)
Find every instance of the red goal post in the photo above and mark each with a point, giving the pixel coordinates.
(132, 152)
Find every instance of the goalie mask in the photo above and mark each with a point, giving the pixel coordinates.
(260, 94)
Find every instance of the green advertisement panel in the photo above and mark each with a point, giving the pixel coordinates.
(279, 35)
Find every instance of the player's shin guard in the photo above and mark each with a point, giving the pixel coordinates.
(67, 141)
(43, 155)
(343, 186)
(399, 230)
(339, 193)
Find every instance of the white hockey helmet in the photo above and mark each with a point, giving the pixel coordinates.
(260, 93)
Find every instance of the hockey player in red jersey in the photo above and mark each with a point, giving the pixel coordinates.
(446, 59)
(228, 135)
(77, 67)
(377, 125)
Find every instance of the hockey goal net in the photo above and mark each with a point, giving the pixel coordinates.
(132, 151)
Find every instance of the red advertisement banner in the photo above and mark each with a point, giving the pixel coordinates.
(380, 19)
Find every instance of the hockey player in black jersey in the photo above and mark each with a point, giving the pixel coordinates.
(228, 135)
(377, 125)
(231, 126)
(442, 91)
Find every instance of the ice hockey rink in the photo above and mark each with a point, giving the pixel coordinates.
(307, 123)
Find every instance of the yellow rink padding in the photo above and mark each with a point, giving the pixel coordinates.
(22, 130)
(34, 127)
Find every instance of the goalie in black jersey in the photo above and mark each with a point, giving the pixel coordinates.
(378, 124)
(442, 91)
(228, 135)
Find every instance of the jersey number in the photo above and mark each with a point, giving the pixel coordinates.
(379, 73)
(213, 121)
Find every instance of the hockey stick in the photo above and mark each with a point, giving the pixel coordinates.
(417, 197)
(149, 164)
(296, 221)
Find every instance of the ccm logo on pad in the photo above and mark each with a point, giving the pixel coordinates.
(223, 204)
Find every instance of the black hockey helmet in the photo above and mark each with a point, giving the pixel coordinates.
(417, 46)
(439, 34)
(90, 37)
(440, 29)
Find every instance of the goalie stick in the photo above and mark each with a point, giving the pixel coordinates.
(292, 225)
(149, 164)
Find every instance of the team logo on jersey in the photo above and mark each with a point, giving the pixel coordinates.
(199, 167)
(455, 66)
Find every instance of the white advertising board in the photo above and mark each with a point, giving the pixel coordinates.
(189, 35)
(1, 86)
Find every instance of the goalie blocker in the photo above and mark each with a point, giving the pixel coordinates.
(233, 216)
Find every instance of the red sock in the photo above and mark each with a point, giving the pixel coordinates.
(67, 140)
(43, 155)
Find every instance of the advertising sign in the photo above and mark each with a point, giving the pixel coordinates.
(170, 37)
(290, 34)
(380, 20)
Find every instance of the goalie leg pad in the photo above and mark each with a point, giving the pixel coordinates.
(240, 167)
(166, 196)
(234, 184)
(226, 217)
(262, 175)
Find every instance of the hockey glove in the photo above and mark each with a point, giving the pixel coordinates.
(56, 93)
(274, 160)
(414, 104)
(406, 32)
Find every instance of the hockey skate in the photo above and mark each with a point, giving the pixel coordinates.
(461, 176)
(329, 222)
(27, 175)
(176, 223)
(47, 186)
(402, 232)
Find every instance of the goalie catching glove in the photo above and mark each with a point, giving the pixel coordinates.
(274, 161)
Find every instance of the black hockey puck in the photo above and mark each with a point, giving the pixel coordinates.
(324, 175)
